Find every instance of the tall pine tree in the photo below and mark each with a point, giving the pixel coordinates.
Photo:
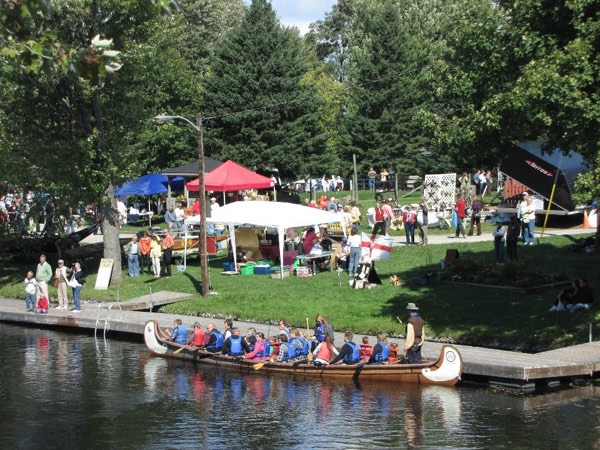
(262, 113)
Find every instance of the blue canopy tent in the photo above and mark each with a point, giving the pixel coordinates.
(154, 183)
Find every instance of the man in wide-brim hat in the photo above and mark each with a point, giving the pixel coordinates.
(415, 335)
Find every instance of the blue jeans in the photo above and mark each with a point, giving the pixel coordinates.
(77, 297)
(30, 302)
(371, 184)
(409, 230)
(499, 250)
(133, 264)
(528, 231)
(354, 259)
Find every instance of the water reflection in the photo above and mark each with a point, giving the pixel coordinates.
(71, 391)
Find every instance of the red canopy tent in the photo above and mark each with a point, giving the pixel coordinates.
(230, 176)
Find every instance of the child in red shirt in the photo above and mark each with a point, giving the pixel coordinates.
(42, 305)
(366, 349)
(393, 352)
(274, 346)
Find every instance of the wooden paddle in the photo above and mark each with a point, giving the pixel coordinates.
(180, 349)
(260, 365)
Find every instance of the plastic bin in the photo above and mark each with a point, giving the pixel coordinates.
(262, 269)
(247, 269)
(229, 267)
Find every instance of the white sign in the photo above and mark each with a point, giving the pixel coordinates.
(104, 272)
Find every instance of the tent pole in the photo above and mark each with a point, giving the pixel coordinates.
(281, 233)
(551, 195)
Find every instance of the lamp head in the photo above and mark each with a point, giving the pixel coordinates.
(161, 119)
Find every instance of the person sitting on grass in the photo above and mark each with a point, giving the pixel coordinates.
(381, 350)
(349, 353)
(198, 337)
(324, 352)
(366, 349)
(234, 345)
(179, 332)
(584, 299)
(261, 349)
(565, 298)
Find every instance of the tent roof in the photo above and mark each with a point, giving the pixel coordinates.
(154, 183)
(191, 169)
(571, 164)
(230, 176)
(270, 214)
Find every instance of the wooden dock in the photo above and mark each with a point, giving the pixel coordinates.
(512, 369)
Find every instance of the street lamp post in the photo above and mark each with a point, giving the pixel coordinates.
(161, 119)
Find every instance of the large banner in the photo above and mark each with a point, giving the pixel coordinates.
(378, 249)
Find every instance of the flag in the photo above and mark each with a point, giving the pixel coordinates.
(378, 249)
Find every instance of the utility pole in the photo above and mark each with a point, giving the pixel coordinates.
(202, 196)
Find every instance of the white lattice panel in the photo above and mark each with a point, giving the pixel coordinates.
(439, 191)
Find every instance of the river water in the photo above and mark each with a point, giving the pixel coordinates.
(62, 390)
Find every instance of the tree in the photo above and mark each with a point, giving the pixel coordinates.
(261, 112)
(392, 53)
(78, 136)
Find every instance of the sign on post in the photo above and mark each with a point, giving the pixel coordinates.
(104, 272)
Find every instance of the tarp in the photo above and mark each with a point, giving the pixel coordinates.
(191, 169)
(277, 215)
(154, 183)
(230, 176)
(526, 164)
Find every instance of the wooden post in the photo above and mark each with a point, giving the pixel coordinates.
(203, 209)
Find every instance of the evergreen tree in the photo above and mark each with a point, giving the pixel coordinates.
(392, 53)
(260, 111)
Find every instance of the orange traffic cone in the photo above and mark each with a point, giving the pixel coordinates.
(586, 222)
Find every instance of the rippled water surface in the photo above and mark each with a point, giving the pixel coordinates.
(60, 390)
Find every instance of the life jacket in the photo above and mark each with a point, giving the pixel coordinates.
(384, 355)
(181, 334)
(218, 344)
(291, 350)
(366, 350)
(236, 348)
(320, 333)
(355, 357)
(266, 351)
(305, 346)
(198, 340)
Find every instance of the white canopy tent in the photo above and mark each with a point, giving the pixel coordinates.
(278, 215)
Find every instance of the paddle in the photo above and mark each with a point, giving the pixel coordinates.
(180, 349)
(260, 365)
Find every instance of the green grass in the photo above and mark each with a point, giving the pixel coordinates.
(470, 315)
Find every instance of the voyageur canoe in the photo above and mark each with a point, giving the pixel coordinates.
(445, 370)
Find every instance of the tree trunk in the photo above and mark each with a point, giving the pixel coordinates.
(110, 232)
(110, 215)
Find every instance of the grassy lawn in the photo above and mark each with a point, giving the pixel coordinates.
(470, 315)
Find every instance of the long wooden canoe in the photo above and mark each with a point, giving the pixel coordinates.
(445, 370)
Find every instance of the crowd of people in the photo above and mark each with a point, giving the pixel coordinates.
(299, 345)
(63, 278)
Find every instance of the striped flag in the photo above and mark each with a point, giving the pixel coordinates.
(378, 249)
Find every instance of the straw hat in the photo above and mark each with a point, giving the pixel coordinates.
(412, 307)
